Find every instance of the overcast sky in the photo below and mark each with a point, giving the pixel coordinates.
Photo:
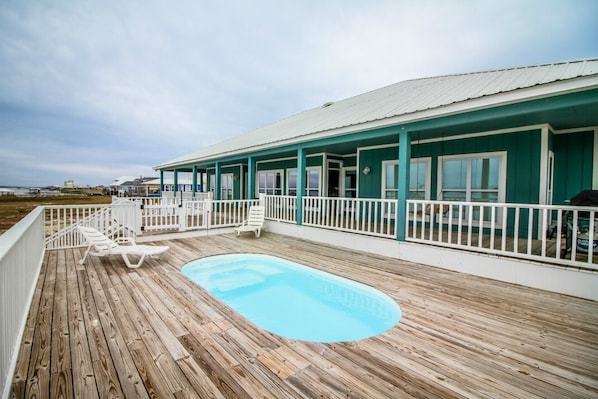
(92, 90)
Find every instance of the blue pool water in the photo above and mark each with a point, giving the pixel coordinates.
(293, 300)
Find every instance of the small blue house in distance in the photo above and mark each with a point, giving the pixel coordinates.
(526, 136)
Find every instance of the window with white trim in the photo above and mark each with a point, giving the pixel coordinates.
(419, 179)
(312, 181)
(292, 182)
(473, 178)
(350, 182)
(226, 186)
(270, 182)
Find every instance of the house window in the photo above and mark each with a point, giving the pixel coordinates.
(270, 182)
(292, 182)
(312, 182)
(419, 179)
(226, 186)
(350, 183)
(473, 178)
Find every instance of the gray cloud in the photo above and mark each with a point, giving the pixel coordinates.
(93, 90)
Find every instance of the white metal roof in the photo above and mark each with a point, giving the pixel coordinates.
(119, 181)
(411, 100)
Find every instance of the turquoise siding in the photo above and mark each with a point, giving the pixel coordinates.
(573, 164)
(370, 186)
(523, 162)
(350, 161)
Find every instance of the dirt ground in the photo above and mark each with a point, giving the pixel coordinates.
(13, 209)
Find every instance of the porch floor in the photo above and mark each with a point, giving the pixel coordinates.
(102, 330)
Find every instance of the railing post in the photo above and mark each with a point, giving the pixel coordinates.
(183, 215)
(207, 212)
(139, 218)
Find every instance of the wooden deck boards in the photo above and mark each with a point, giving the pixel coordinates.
(102, 330)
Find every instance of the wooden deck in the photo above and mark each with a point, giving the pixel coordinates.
(103, 330)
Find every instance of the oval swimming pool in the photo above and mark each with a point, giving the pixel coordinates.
(294, 300)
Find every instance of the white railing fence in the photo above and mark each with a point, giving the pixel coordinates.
(129, 217)
(116, 220)
(227, 213)
(187, 195)
(558, 234)
(21, 256)
(369, 216)
(281, 208)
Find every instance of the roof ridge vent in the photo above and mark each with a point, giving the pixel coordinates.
(327, 104)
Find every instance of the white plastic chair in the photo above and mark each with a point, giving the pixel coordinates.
(100, 245)
(254, 222)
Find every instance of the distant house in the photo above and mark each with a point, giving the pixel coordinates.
(122, 186)
(131, 186)
(145, 187)
(6, 191)
(168, 187)
(69, 184)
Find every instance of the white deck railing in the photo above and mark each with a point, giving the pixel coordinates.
(227, 213)
(21, 256)
(369, 216)
(116, 220)
(515, 230)
(281, 208)
(546, 233)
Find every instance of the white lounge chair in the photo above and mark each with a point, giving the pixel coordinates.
(100, 245)
(254, 222)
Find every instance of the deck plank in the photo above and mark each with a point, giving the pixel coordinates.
(102, 330)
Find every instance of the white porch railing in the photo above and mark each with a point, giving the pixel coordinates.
(369, 216)
(545, 233)
(21, 256)
(227, 213)
(129, 218)
(281, 208)
(116, 220)
(555, 234)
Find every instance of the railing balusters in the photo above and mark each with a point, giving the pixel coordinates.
(591, 237)
(481, 227)
(526, 222)
(544, 229)
(530, 230)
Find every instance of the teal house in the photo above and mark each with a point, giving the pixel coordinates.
(476, 160)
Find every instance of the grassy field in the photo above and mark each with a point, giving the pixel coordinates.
(13, 209)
